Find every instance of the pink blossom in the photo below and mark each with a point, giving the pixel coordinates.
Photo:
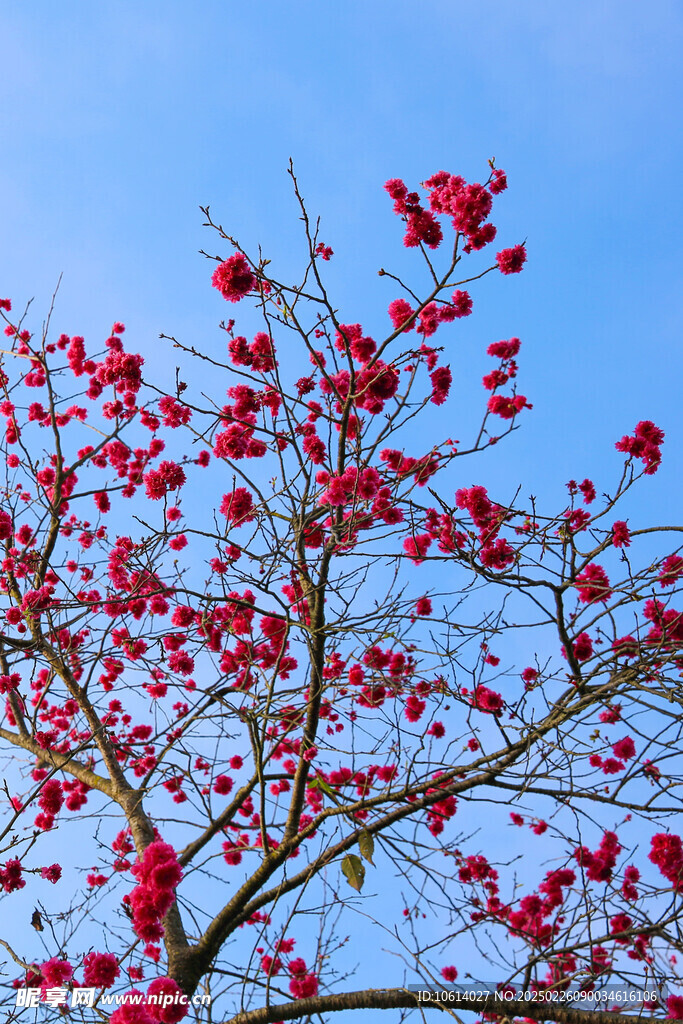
(416, 547)
(414, 708)
(600, 865)
(159, 994)
(507, 406)
(52, 873)
(593, 584)
(11, 876)
(666, 852)
(498, 182)
(644, 444)
(400, 311)
(132, 1010)
(100, 970)
(670, 570)
(238, 506)
(462, 303)
(504, 349)
(674, 1007)
(56, 972)
(621, 535)
(51, 799)
(487, 700)
(511, 261)
(624, 749)
(583, 647)
(303, 983)
(234, 278)
(441, 380)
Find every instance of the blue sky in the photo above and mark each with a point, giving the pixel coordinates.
(119, 119)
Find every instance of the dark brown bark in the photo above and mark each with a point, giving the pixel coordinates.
(399, 998)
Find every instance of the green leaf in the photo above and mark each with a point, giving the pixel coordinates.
(352, 867)
(324, 787)
(366, 845)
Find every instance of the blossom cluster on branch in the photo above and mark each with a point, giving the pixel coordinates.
(268, 636)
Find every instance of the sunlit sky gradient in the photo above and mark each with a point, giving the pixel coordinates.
(120, 118)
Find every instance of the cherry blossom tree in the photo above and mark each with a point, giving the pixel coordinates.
(292, 679)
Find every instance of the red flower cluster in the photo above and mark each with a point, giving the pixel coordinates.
(167, 477)
(486, 516)
(599, 865)
(511, 261)
(530, 919)
(505, 350)
(623, 750)
(670, 570)
(133, 1010)
(666, 852)
(441, 811)
(667, 625)
(621, 536)
(496, 552)
(100, 970)
(350, 487)
(467, 205)
(122, 369)
(10, 682)
(400, 312)
(50, 802)
(174, 413)
(611, 715)
(349, 338)
(164, 1001)
(238, 507)
(416, 547)
(645, 444)
(461, 303)
(375, 386)
(6, 525)
(303, 982)
(487, 700)
(507, 406)
(234, 278)
(628, 888)
(674, 1008)
(421, 225)
(403, 466)
(158, 874)
(259, 356)
(10, 876)
(583, 647)
(593, 584)
(441, 380)
(55, 973)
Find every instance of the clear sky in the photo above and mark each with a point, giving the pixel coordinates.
(119, 118)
